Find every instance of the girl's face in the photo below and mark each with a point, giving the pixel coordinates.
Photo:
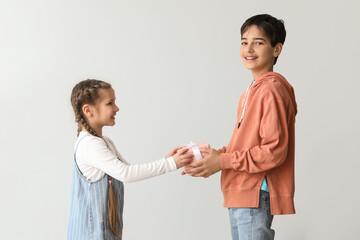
(105, 109)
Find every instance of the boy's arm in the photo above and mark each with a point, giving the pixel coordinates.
(270, 153)
(272, 150)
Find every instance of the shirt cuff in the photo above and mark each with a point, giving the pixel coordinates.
(226, 161)
(172, 163)
(222, 150)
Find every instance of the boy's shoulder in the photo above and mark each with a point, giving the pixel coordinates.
(276, 80)
(273, 82)
(274, 85)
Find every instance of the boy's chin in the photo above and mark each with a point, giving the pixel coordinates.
(248, 66)
(111, 124)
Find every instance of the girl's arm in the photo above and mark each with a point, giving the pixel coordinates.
(94, 153)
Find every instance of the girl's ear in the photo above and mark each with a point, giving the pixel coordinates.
(277, 49)
(87, 110)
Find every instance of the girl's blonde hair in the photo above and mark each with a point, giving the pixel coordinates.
(87, 92)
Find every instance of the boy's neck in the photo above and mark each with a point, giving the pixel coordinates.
(257, 74)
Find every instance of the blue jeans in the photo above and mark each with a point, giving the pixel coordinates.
(252, 223)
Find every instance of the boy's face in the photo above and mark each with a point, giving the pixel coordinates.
(256, 51)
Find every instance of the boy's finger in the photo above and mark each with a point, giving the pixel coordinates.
(200, 174)
(205, 150)
(196, 164)
(194, 171)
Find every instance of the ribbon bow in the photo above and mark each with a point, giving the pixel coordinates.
(195, 149)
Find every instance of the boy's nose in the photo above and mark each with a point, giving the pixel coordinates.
(250, 48)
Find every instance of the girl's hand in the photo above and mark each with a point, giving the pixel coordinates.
(182, 157)
(172, 152)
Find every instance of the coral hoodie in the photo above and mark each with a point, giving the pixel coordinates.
(262, 144)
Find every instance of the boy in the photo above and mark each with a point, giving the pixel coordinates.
(257, 178)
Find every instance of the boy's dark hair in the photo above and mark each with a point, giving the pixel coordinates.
(272, 27)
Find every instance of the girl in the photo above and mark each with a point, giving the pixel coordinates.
(99, 170)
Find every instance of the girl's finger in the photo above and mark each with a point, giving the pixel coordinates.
(182, 151)
(176, 148)
(188, 155)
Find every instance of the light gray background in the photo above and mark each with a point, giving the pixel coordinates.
(178, 76)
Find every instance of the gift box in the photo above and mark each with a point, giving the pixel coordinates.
(194, 148)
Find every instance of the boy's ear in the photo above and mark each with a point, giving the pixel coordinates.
(277, 49)
(87, 110)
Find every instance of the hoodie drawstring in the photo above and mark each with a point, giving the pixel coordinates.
(245, 99)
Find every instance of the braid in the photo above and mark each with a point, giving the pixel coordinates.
(113, 214)
(86, 92)
(84, 124)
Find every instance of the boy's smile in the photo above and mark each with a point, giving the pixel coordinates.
(256, 51)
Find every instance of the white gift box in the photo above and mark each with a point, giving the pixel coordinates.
(195, 149)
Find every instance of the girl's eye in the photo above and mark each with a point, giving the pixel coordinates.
(110, 103)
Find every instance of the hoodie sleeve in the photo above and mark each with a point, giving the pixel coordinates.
(273, 134)
(222, 150)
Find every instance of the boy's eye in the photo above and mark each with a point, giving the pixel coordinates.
(110, 103)
(259, 43)
(243, 43)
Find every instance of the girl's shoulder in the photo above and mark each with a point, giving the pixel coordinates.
(108, 140)
(88, 143)
(86, 138)
(113, 147)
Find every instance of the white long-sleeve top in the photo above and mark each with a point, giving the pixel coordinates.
(96, 156)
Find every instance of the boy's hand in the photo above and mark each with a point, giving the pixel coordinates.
(207, 166)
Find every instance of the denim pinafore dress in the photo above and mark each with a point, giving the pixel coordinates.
(88, 217)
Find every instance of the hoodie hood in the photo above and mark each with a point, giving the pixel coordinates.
(262, 78)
